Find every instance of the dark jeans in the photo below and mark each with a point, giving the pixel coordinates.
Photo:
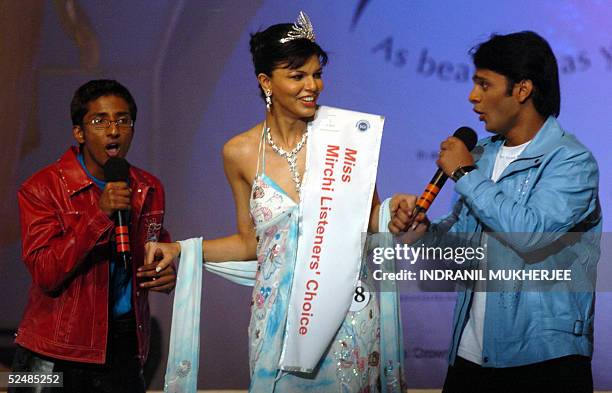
(121, 372)
(568, 374)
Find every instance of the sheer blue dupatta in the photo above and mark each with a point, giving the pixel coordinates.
(391, 330)
(184, 352)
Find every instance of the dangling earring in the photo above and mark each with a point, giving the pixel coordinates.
(268, 99)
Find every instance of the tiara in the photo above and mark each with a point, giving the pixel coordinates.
(302, 28)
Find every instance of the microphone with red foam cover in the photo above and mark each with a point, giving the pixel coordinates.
(118, 169)
(469, 138)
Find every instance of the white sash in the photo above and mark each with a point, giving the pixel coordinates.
(342, 159)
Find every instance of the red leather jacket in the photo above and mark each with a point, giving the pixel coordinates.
(65, 240)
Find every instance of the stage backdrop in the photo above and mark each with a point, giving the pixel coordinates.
(188, 64)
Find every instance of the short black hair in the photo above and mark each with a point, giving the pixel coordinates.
(269, 53)
(95, 89)
(520, 56)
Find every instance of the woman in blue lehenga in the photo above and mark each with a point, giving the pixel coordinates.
(265, 166)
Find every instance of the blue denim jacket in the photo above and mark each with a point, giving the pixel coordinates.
(549, 190)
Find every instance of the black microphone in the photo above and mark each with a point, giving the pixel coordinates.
(118, 169)
(469, 138)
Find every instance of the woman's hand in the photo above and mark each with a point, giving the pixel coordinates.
(401, 207)
(161, 255)
(402, 220)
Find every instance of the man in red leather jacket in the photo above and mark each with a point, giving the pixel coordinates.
(87, 314)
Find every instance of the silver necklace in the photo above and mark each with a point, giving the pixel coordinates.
(290, 156)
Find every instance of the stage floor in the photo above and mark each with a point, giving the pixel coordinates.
(244, 391)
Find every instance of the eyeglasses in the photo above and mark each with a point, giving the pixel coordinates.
(124, 124)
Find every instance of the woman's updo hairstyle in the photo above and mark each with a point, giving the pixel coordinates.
(269, 53)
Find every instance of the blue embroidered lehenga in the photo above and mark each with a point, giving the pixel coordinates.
(351, 363)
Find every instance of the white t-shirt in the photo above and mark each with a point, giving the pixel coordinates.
(470, 345)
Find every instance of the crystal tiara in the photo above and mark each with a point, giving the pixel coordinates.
(302, 28)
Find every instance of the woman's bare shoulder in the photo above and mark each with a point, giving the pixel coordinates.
(243, 147)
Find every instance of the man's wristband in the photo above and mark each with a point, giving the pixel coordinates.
(461, 171)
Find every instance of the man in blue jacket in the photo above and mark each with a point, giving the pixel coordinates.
(533, 187)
